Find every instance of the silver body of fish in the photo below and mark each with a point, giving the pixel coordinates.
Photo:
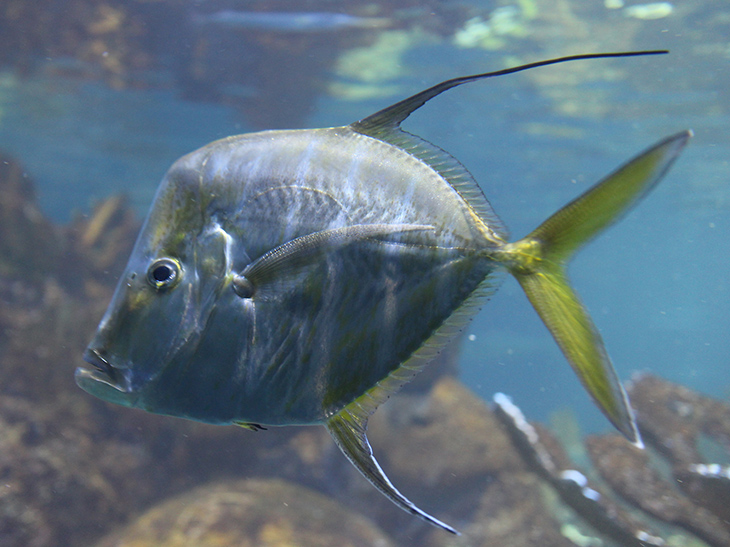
(319, 330)
(301, 277)
(288, 21)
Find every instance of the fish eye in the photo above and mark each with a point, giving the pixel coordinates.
(163, 273)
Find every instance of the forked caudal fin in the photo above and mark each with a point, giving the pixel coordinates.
(539, 260)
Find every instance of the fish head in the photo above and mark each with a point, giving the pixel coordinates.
(164, 298)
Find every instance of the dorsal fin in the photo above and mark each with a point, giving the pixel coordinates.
(453, 171)
(385, 125)
(391, 117)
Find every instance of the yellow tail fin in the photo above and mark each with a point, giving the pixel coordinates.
(539, 263)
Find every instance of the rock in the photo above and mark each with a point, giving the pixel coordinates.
(73, 466)
(53, 289)
(61, 480)
(99, 243)
(511, 513)
(708, 486)
(626, 469)
(252, 513)
(441, 449)
(69, 467)
(672, 417)
(29, 243)
(547, 459)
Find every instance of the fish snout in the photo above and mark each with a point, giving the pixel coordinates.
(94, 357)
(103, 379)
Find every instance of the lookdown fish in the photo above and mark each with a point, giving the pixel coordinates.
(286, 21)
(302, 277)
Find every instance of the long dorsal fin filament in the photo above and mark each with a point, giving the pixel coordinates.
(392, 116)
(385, 126)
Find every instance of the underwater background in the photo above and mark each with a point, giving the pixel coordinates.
(99, 97)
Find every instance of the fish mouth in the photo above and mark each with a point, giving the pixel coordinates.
(102, 373)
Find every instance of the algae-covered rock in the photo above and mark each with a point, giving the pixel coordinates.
(708, 486)
(626, 468)
(544, 455)
(73, 468)
(69, 468)
(443, 449)
(673, 417)
(54, 284)
(255, 512)
(62, 481)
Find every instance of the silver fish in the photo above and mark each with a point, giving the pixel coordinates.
(305, 21)
(302, 277)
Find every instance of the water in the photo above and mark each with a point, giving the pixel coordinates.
(656, 284)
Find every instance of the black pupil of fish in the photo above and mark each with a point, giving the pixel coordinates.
(163, 273)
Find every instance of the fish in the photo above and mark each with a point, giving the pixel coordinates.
(287, 21)
(301, 277)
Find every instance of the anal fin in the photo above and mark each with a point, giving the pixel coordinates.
(348, 428)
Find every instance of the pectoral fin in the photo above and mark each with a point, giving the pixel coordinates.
(299, 251)
(538, 262)
(348, 429)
